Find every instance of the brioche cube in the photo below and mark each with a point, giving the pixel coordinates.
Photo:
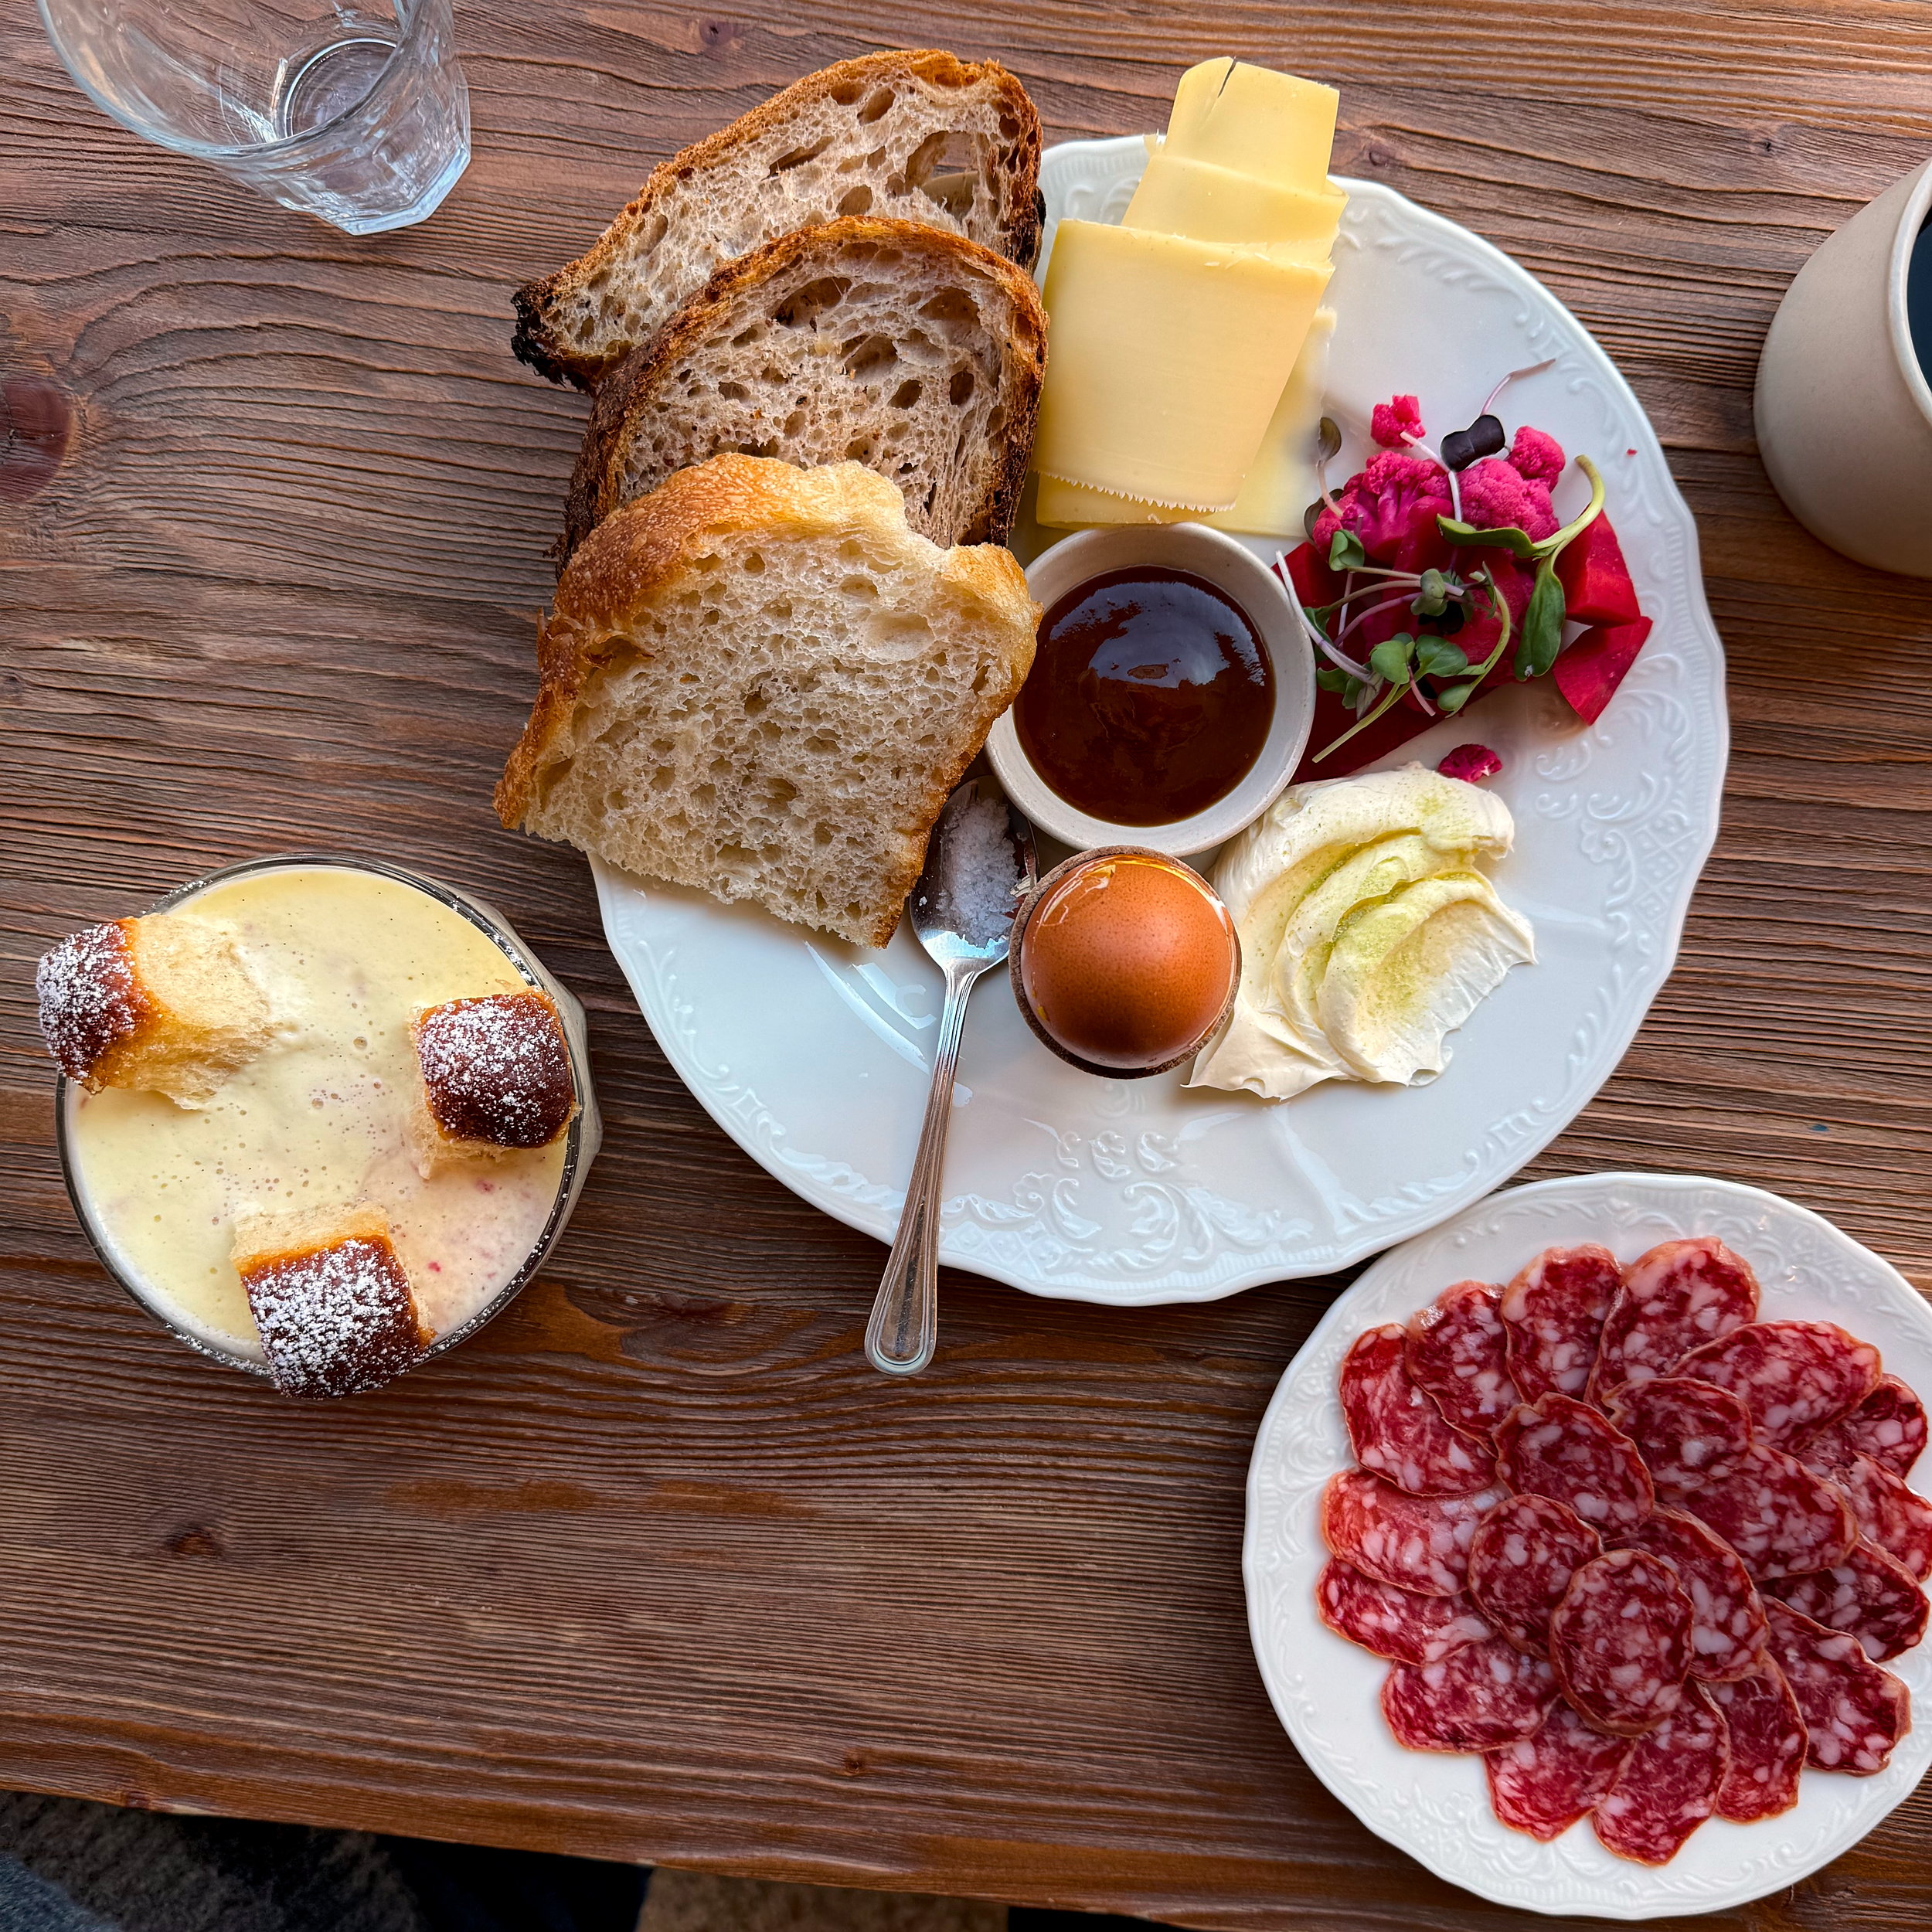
(496, 1078)
(332, 1301)
(165, 1004)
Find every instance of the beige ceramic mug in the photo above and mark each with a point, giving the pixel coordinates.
(1844, 407)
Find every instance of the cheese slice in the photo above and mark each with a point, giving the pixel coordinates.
(1280, 483)
(1167, 358)
(1274, 125)
(1180, 195)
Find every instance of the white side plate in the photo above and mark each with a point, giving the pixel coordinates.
(1325, 1689)
(814, 1055)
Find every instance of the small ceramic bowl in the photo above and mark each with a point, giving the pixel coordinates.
(1215, 1009)
(1232, 569)
(581, 1138)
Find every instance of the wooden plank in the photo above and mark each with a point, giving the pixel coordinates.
(656, 1568)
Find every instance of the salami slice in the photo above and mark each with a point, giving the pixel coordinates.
(1398, 1432)
(1415, 1543)
(1399, 1624)
(1553, 1312)
(1869, 1596)
(1458, 1348)
(1557, 1447)
(1888, 1426)
(1795, 1377)
(1686, 1431)
(1524, 1553)
(1669, 1785)
(1677, 1295)
(1782, 1518)
(1476, 1698)
(1895, 1517)
(1543, 1784)
(1854, 1711)
(1727, 1621)
(1621, 1641)
(1766, 1731)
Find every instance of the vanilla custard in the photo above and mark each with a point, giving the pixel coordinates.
(320, 1117)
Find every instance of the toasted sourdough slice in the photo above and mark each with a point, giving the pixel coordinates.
(918, 353)
(759, 681)
(920, 137)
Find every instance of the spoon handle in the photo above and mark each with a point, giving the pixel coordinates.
(904, 1326)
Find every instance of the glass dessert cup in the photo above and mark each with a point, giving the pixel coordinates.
(580, 1141)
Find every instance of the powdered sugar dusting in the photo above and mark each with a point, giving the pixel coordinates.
(337, 1320)
(88, 999)
(496, 1069)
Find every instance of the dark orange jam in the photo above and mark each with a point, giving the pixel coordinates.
(1150, 698)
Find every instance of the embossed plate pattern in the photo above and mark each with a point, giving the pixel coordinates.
(813, 1055)
(1436, 1808)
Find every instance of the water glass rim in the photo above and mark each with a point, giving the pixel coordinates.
(409, 14)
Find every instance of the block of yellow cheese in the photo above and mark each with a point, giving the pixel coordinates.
(1274, 125)
(1167, 357)
(1281, 482)
(1180, 196)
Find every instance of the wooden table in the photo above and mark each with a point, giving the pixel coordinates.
(657, 1568)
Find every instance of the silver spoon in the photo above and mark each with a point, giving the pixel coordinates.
(978, 866)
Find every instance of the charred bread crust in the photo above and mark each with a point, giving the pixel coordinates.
(536, 343)
(90, 999)
(597, 478)
(496, 1073)
(332, 1300)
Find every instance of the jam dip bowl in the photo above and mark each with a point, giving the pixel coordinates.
(1221, 565)
(348, 948)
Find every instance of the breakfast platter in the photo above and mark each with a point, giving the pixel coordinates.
(814, 1054)
(1433, 1802)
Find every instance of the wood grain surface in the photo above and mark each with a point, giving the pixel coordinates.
(658, 1569)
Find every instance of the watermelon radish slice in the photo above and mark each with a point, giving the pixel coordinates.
(1597, 584)
(1590, 671)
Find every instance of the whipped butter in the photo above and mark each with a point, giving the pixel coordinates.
(320, 1117)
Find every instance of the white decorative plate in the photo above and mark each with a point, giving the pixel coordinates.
(814, 1055)
(1436, 1808)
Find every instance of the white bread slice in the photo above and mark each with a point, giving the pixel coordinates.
(916, 353)
(759, 681)
(922, 137)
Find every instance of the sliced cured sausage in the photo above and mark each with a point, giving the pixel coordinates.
(1458, 1351)
(1553, 1312)
(1795, 1377)
(1727, 1621)
(1557, 1447)
(1888, 1426)
(1676, 1296)
(1782, 1518)
(1889, 1514)
(1399, 1624)
(1415, 1543)
(1869, 1596)
(1667, 1786)
(1398, 1432)
(1523, 1555)
(1686, 1431)
(1476, 1698)
(1621, 1641)
(1766, 1731)
(1854, 1712)
(1544, 1784)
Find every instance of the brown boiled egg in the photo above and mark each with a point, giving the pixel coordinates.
(1126, 962)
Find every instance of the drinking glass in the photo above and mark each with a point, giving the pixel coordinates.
(355, 112)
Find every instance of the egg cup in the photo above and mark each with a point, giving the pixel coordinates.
(1015, 964)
